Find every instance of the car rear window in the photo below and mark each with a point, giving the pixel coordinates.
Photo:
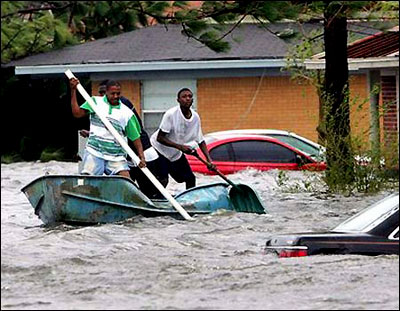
(371, 216)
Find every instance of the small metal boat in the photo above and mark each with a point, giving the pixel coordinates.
(83, 199)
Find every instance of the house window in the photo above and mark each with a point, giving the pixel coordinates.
(160, 95)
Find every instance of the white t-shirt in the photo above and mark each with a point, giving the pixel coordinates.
(179, 130)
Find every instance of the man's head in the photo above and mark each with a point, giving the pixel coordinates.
(185, 98)
(112, 91)
(103, 87)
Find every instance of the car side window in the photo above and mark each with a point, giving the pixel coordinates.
(262, 151)
(298, 144)
(222, 153)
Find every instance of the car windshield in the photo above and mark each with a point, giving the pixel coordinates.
(370, 217)
(312, 151)
(208, 139)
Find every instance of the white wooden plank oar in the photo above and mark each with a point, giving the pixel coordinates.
(125, 146)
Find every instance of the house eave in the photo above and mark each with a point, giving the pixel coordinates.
(358, 63)
(151, 66)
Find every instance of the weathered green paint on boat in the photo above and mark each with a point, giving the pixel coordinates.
(103, 199)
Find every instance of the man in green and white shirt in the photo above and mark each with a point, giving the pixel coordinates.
(103, 154)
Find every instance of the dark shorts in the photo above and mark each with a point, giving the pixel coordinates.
(144, 183)
(179, 170)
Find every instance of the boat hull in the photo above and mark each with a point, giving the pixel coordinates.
(83, 199)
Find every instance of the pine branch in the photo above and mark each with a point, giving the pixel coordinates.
(12, 39)
(33, 10)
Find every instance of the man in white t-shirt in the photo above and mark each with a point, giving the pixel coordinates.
(179, 131)
(103, 154)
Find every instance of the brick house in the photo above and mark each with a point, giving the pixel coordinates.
(242, 88)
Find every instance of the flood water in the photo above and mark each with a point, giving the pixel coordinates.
(215, 262)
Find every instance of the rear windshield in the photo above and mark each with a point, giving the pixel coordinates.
(371, 216)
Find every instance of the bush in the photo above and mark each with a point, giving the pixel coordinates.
(50, 153)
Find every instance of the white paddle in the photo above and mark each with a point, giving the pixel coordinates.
(125, 146)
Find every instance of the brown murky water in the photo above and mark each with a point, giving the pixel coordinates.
(215, 262)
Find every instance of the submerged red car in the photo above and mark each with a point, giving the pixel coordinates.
(237, 152)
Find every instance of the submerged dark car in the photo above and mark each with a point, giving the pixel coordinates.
(373, 231)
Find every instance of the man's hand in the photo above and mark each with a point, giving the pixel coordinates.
(84, 133)
(142, 163)
(186, 149)
(211, 166)
(73, 83)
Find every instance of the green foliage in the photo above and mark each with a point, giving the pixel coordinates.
(30, 33)
(11, 158)
(340, 161)
(308, 46)
(180, 4)
(344, 174)
(307, 182)
(210, 39)
(282, 178)
(51, 153)
(30, 27)
(371, 170)
(196, 27)
(156, 7)
(101, 8)
(273, 11)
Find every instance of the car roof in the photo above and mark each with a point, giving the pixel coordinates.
(264, 132)
(250, 131)
(233, 137)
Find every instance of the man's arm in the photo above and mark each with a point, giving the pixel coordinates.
(139, 149)
(162, 139)
(132, 131)
(77, 111)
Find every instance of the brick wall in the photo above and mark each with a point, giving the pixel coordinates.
(281, 103)
(359, 108)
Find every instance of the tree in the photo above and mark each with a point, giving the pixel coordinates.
(30, 27)
(334, 95)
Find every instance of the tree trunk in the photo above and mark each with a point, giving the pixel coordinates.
(336, 97)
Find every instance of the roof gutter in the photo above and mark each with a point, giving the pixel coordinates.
(151, 66)
(358, 63)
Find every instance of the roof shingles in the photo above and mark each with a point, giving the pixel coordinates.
(160, 43)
